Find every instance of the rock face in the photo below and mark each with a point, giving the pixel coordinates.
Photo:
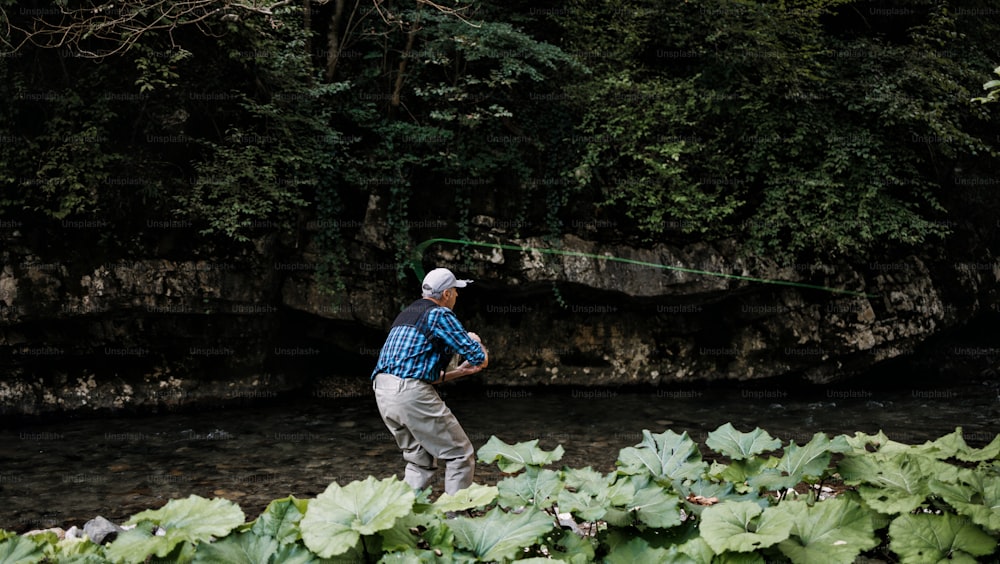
(159, 333)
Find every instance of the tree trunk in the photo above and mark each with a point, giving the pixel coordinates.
(410, 37)
(333, 40)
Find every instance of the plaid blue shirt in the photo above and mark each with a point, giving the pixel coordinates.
(408, 353)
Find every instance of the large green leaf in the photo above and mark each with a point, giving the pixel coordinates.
(897, 484)
(592, 502)
(587, 480)
(74, 551)
(977, 497)
(742, 526)
(805, 463)
(719, 490)
(499, 535)
(238, 548)
(655, 506)
(832, 531)
(863, 443)
(418, 556)
(193, 519)
(281, 520)
(665, 455)
(135, 545)
(988, 452)
(199, 518)
(953, 445)
(295, 553)
(416, 530)
(638, 551)
(476, 495)
(737, 445)
(336, 519)
(511, 458)
(18, 550)
(856, 469)
(931, 538)
(533, 487)
(572, 548)
(697, 549)
(400, 536)
(812, 459)
(740, 472)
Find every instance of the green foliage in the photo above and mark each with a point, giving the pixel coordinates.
(591, 496)
(338, 517)
(807, 463)
(666, 456)
(539, 488)
(832, 531)
(465, 107)
(803, 129)
(474, 496)
(192, 520)
(20, 549)
(891, 484)
(743, 526)
(280, 520)
(642, 512)
(156, 71)
(994, 90)
(263, 170)
(641, 147)
(738, 445)
(935, 538)
(805, 132)
(512, 458)
(499, 535)
(64, 167)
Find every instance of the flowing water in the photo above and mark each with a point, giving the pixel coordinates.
(67, 471)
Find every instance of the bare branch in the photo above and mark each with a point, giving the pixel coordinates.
(456, 12)
(108, 28)
(104, 29)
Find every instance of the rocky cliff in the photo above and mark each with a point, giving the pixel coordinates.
(152, 333)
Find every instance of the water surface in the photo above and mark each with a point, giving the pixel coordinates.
(62, 473)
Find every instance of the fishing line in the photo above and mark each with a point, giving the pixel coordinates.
(418, 267)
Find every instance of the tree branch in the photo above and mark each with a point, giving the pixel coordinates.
(103, 29)
(119, 27)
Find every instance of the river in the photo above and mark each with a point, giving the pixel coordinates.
(63, 472)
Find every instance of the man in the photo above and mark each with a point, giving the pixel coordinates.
(414, 357)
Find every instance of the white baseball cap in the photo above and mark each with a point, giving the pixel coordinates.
(439, 280)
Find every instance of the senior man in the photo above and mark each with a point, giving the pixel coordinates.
(413, 359)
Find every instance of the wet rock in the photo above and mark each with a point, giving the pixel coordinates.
(100, 530)
(566, 522)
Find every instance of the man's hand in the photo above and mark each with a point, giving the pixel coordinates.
(476, 338)
(466, 369)
(460, 371)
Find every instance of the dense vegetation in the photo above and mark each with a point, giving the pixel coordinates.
(804, 128)
(664, 504)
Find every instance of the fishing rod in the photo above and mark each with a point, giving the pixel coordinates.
(418, 268)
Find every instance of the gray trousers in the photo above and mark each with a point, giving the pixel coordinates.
(426, 431)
